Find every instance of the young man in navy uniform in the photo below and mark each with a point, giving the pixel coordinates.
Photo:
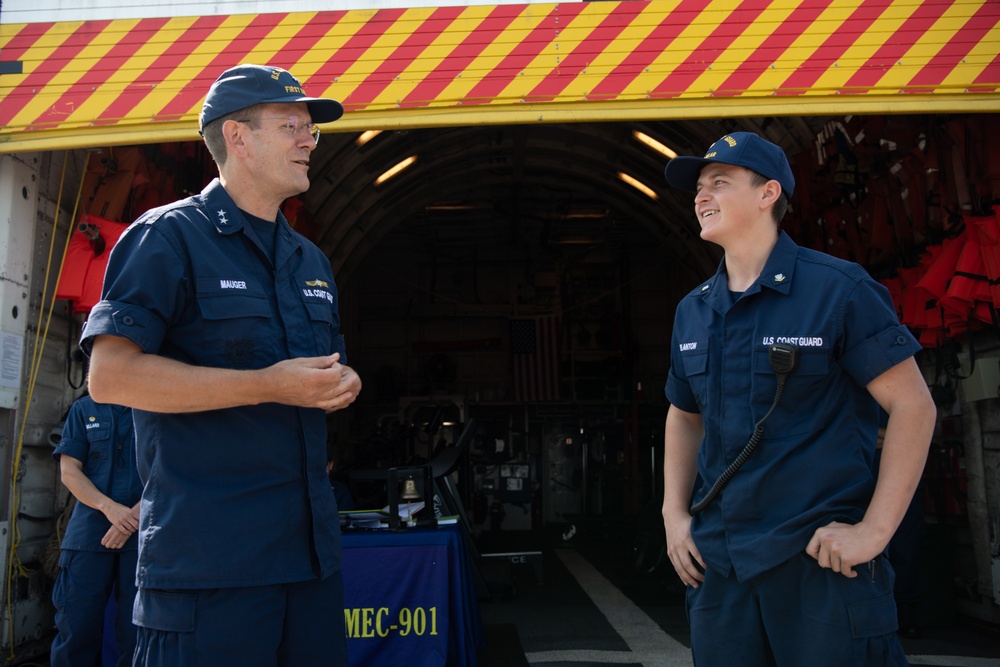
(785, 565)
(96, 457)
(219, 326)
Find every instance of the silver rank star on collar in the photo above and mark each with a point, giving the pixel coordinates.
(222, 217)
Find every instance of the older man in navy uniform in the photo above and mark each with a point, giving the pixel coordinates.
(219, 326)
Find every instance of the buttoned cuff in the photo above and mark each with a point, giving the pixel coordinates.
(126, 320)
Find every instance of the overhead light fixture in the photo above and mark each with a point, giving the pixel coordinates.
(587, 214)
(365, 137)
(449, 206)
(393, 171)
(580, 240)
(639, 185)
(643, 138)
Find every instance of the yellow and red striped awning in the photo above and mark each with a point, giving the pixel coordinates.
(101, 82)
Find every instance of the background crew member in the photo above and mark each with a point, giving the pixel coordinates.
(342, 492)
(219, 325)
(785, 565)
(97, 461)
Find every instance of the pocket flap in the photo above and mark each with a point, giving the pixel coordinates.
(228, 307)
(695, 363)
(160, 610)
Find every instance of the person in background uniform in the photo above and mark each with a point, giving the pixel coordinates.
(96, 458)
(219, 325)
(785, 565)
(345, 502)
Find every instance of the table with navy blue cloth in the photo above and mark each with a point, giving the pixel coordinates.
(410, 598)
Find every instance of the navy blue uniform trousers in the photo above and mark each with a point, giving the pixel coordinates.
(281, 625)
(80, 594)
(796, 614)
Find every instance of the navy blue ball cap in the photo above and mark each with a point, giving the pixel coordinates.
(743, 149)
(246, 85)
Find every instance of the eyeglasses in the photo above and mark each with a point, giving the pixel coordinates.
(292, 126)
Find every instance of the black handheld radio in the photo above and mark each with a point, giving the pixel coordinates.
(782, 358)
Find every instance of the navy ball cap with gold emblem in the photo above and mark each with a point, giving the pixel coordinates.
(743, 149)
(246, 85)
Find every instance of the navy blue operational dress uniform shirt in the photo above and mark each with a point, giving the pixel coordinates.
(101, 437)
(233, 497)
(814, 464)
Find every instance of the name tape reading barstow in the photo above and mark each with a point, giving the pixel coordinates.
(800, 341)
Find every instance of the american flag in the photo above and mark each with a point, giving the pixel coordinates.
(534, 353)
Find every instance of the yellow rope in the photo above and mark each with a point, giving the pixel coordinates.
(12, 559)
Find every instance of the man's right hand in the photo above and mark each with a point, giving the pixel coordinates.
(683, 433)
(682, 550)
(121, 373)
(314, 382)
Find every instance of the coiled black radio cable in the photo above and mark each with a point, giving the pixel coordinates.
(782, 358)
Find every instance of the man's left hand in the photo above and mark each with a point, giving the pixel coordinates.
(115, 538)
(840, 547)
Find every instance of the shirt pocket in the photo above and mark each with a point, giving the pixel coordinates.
(234, 327)
(696, 370)
(97, 468)
(808, 379)
(320, 305)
